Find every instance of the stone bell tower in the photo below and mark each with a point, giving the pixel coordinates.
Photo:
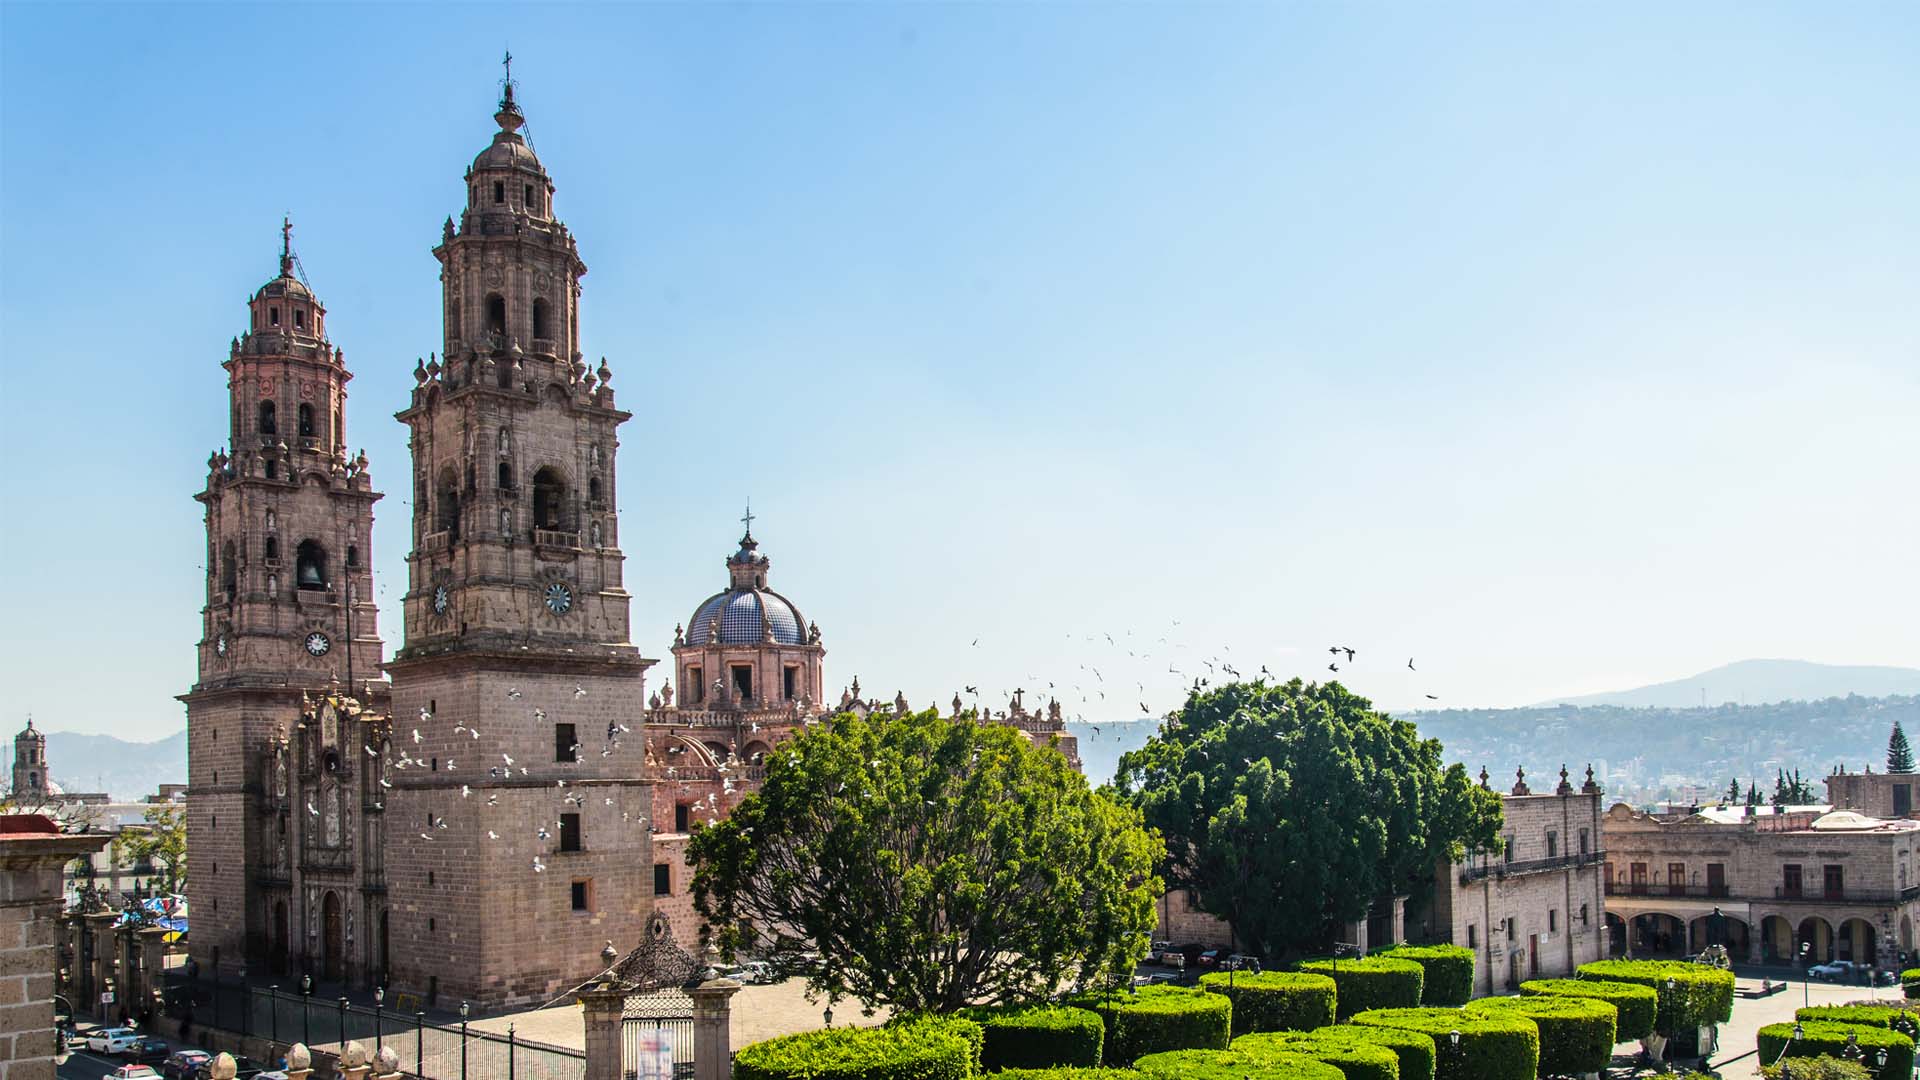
(30, 765)
(289, 602)
(517, 663)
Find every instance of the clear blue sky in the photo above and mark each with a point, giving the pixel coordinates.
(1560, 347)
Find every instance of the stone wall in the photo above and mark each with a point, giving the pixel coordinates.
(32, 853)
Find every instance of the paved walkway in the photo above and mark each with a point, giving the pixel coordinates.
(1750, 1015)
(759, 1012)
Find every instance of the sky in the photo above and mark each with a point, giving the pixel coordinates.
(1557, 348)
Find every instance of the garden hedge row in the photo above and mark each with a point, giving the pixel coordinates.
(1635, 1004)
(1037, 1036)
(1356, 1060)
(1910, 982)
(925, 1048)
(1814, 1068)
(1701, 995)
(1491, 1047)
(1818, 1037)
(1414, 1050)
(1274, 1000)
(1233, 1065)
(1157, 1018)
(1371, 982)
(1576, 1034)
(1893, 1017)
(1448, 968)
(1069, 1072)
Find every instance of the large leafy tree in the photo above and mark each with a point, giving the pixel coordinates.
(163, 843)
(1899, 754)
(1290, 809)
(930, 864)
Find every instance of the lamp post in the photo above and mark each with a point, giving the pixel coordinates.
(306, 1009)
(343, 1021)
(1453, 1039)
(1673, 1021)
(826, 1014)
(1806, 973)
(379, 999)
(463, 1041)
(1797, 1032)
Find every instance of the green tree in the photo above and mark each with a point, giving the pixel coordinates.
(1753, 794)
(1899, 754)
(930, 864)
(163, 843)
(1733, 792)
(1290, 809)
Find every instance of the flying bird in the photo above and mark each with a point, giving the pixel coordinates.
(1410, 666)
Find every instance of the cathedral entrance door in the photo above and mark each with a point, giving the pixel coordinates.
(330, 919)
(279, 958)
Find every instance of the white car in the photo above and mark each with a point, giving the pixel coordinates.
(114, 1040)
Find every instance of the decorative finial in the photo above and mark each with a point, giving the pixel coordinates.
(508, 117)
(286, 244)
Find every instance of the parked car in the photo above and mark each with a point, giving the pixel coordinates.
(131, 1072)
(1242, 962)
(1163, 977)
(245, 1068)
(182, 1064)
(112, 1040)
(1173, 959)
(1833, 971)
(1211, 957)
(148, 1049)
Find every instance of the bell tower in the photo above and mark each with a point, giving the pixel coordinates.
(517, 661)
(289, 593)
(30, 765)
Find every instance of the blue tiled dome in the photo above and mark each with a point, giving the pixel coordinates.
(741, 613)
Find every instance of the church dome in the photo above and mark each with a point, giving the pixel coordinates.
(747, 613)
(286, 285)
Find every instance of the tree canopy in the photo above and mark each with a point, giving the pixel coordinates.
(1289, 809)
(1790, 790)
(1899, 753)
(163, 843)
(930, 864)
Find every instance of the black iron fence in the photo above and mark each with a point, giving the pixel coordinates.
(428, 1049)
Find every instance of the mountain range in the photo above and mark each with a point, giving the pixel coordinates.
(129, 771)
(1759, 682)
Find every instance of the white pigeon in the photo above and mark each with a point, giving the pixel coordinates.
(491, 835)
(450, 765)
(311, 810)
(543, 834)
(538, 868)
(493, 800)
(579, 691)
(465, 791)
(513, 692)
(424, 836)
(425, 715)
(416, 736)
(506, 759)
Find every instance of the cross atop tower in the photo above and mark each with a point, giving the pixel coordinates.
(506, 98)
(286, 244)
(747, 518)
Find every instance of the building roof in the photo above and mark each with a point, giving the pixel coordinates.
(747, 612)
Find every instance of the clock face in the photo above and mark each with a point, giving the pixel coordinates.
(559, 598)
(440, 600)
(317, 644)
(220, 645)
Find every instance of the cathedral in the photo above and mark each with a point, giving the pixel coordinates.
(476, 818)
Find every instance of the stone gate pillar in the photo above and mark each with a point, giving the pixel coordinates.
(1399, 924)
(712, 1029)
(602, 1008)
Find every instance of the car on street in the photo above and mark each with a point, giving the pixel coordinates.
(131, 1072)
(1833, 971)
(113, 1040)
(182, 1064)
(147, 1049)
(1241, 962)
(1211, 957)
(1163, 977)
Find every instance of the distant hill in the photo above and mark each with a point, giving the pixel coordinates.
(129, 771)
(1759, 682)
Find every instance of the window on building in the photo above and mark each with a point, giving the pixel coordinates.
(743, 682)
(1473, 936)
(1512, 929)
(273, 316)
(662, 879)
(299, 319)
(273, 469)
(549, 499)
(273, 549)
(310, 565)
(682, 818)
(267, 425)
(789, 683)
(497, 315)
(505, 478)
(1553, 920)
(593, 490)
(1506, 848)
(1832, 881)
(1676, 879)
(499, 192)
(566, 746)
(1553, 844)
(229, 568)
(1583, 841)
(1790, 883)
(694, 690)
(540, 328)
(582, 896)
(1716, 879)
(1639, 872)
(446, 510)
(305, 415)
(1583, 914)
(353, 556)
(526, 195)
(569, 832)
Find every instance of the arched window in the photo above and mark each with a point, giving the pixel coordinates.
(353, 556)
(267, 424)
(229, 568)
(503, 376)
(310, 565)
(273, 549)
(549, 499)
(539, 318)
(593, 490)
(273, 469)
(299, 318)
(497, 315)
(306, 420)
(506, 476)
(447, 506)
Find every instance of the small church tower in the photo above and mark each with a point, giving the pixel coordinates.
(30, 765)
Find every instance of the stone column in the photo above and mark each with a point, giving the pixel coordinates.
(1357, 934)
(105, 944)
(299, 1062)
(602, 1011)
(1399, 919)
(32, 853)
(712, 1029)
(153, 966)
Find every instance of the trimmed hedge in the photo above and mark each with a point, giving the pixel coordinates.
(925, 1048)
(1448, 968)
(1701, 995)
(1371, 982)
(1157, 1018)
(1037, 1036)
(1892, 1017)
(1414, 1049)
(1491, 1047)
(1069, 1072)
(1576, 1034)
(1815, 1068)
(1635, 1004)
(1233, 1065)
(1910, 982)
(1818, 1037)
(1274, 1000)
(1356, 1059)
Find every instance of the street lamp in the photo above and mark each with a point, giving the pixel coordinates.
(827, 1015)
(1453, 1037)
(306, 1010)
(379, 999)
(1673, 1021)
(463, 1040)
(1806, 973)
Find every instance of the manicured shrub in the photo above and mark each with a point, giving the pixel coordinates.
(1818, 1037)
(1815, 1068)
(1414, 1050)
(1157, 1018)
(1892, 1017)
(1576, 1034)
(1274, 1000)
(1910, 982)
(1355, 1059)
(1068, 1072)
(1491, 1047)
(1371, 982)
(1448, 969)
(1635, 1004)
(1037, 1036)
(1233, 1065)
(1701, 995)
(924, 1048)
